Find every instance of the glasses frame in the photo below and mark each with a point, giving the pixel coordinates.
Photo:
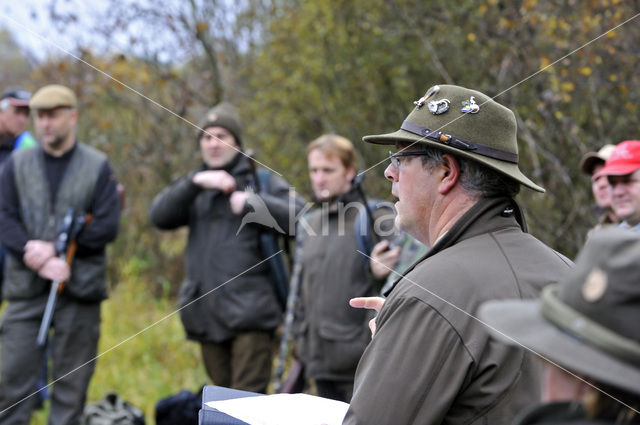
(394, 157)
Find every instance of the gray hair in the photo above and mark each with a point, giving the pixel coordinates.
(476, 178)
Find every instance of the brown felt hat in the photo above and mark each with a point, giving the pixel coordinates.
(589, 323)
(53, 96)
(464, 122)
(591, 159)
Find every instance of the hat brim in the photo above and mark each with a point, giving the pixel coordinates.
(507, 168)
(589, 162)
(521, 323)
(617, 170)
(18, 102)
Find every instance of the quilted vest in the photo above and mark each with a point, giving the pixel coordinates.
(41, 221)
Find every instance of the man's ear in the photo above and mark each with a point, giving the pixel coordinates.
(74, 115)
(450, 174)
(351, 173)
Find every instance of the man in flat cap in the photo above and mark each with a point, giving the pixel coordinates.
(586, 329)
(38, 189)
(622, 170)
(455, 174)
(228, 301)
(591, 164)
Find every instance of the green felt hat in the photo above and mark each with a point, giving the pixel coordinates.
(464, 122)
(589, 322)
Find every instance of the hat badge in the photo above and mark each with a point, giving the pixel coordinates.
(420, 102)
(470, 106)
(212, 117)
(437, 107)
(595, 285)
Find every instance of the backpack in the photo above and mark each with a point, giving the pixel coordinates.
(365, 235)
(112, 410)
(178, 409)
(270, 244)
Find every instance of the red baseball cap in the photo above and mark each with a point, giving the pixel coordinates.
(625, 159)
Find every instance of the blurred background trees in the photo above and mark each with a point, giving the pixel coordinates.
(297, 69)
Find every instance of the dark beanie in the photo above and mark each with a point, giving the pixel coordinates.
(222, 115)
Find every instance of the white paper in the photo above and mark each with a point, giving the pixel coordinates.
(284, 409)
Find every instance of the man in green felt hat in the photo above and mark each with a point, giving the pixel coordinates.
(455, 174)
(586, 329)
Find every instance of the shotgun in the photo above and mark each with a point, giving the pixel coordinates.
(65, 246)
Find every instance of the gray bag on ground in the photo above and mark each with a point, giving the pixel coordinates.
(112, 410)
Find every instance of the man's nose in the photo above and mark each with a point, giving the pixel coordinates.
(391, 173)
(616, 187)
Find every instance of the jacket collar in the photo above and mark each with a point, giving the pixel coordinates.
(486, 215)
(351, 195)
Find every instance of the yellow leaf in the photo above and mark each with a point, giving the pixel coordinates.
(585, 70)
(611, 34)
(567, 86)
(558, 115)
(202, 26)
(613, 78)
(471, 37)
(544, 62)
(483, 8)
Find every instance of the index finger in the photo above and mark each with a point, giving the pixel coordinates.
(372, 303)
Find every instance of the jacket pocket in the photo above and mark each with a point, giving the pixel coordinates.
(342, 345)
(21, 282)
(88, 280)
(191, 311)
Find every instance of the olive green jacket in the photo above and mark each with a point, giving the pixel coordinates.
(330, 335)
(431, 361)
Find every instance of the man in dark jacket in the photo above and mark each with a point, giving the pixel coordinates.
(14, 117)
(430, 361)
(228, 302)
(331, 336)
(38, 186)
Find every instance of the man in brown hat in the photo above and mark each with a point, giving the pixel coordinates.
(586, 329)
(228, 300)
(38, 188)
(455, 174)
(591, 164)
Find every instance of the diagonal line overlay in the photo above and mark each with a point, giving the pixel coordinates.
(496, 330)
(140, 332)
(130, 88)
(513, 86)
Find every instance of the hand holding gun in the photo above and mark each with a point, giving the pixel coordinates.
(65, 247)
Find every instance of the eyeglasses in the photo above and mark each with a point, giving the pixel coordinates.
(395, 157)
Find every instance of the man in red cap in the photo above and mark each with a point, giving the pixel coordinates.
(623, 173)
